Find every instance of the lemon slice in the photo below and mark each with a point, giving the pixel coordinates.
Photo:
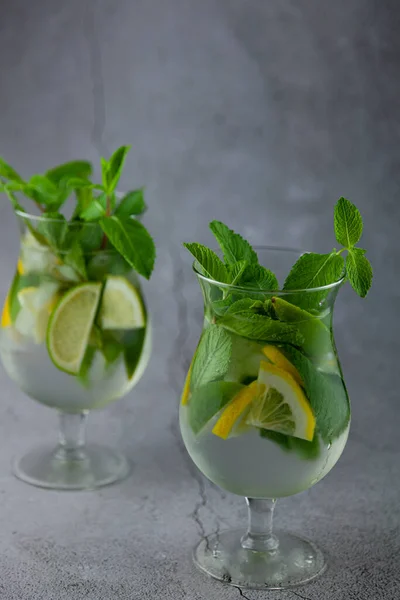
(186, 387)
(121, 305)
(70, 325)
(36, 305)
(232, 419)
(283, 407)
(6, 314)
(279, 360)
(6, 319)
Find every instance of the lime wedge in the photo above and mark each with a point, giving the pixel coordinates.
(283, 407)
(121, 305)
(70, 325)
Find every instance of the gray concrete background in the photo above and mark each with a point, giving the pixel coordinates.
(260, 113)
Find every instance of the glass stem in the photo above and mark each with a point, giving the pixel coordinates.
(259, 536)
(71, 436)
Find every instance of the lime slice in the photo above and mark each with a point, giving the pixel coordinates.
(233, 417)
(283, 407)
(121, 305)
(70, 325)
(279, 360)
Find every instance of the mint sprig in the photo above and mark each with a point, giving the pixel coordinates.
(249, 281)
(315, 270)
(233, 246)
(348, 231)
(100, 220)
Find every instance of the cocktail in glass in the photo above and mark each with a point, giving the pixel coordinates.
(264, 414)
(74, 340)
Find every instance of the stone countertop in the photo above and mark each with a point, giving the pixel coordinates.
(260, 114)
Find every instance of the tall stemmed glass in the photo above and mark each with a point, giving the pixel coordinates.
(264, 414)
(50, 305)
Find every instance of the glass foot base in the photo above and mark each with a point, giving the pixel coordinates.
(296, 561)
(86, 469)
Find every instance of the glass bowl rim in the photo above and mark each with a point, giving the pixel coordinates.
(39, 218)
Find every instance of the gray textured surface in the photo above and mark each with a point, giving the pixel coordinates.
(261, 113)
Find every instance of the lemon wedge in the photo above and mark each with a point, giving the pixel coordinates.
(283, 406)
(186, 387)
(6, 315)
(231, 420)
(279, 360)
(36, 305)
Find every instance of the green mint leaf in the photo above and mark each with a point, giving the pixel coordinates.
(81, 169)
(54, 228)
(311, 271)
(104, 172)
(236, 271)
(90, 237)
(110, 345)
(7, 172)
(258, 327)
(96, 209)
(306, 450)
(244, 306)
(258, 277)
(359, 271)
(317, 337)
(111, 350)
(44, 192)
(86, 365)
(131, 239)
(212, 356)
(75, 258)
(211, 264)
(132, 344)
(103, 264)
(131, 204)
(84, 198)
(348, 223)
(314, 270)
(206, 401)
(12, 186)
(77, 183)
(9, 191)
(233, 246)
(221, 306)
(115, 166)
(327, 395)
